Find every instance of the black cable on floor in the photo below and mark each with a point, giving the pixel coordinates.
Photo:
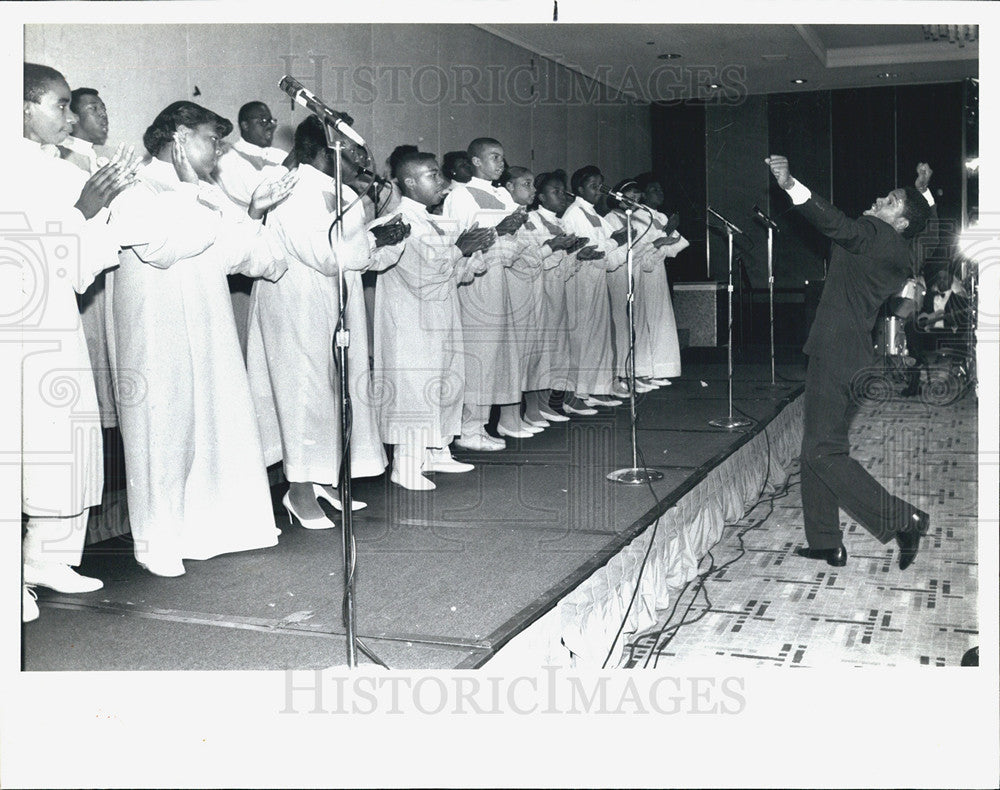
(712, 570)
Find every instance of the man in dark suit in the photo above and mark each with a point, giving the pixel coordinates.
(871, 259)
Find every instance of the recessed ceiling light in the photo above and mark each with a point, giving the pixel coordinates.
(714, 86)
(799, 81)
(668, 56)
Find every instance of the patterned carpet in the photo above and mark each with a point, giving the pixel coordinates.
(763, 605)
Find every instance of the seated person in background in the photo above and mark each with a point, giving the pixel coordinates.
(943, 312)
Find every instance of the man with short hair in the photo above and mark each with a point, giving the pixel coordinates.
(871, 260)
(419, 361)
(247, 163)
(249, 160)
(492, 367)
(91, 130)
(61, 448)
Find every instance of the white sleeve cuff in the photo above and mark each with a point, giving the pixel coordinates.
(928, 197)
(799, 193)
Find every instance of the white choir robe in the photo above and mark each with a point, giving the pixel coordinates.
(553, 335)
(55, 255)
(658, 354)
(591, 353)
(293, 373)
(92, 301)
(239, 171)
(525, 284)
(492, 365)
(618, 289)
(196, 480)
(419, 355)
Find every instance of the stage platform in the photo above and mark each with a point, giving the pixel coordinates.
(528, 560)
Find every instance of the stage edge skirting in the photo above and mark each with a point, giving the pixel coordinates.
(578, 632)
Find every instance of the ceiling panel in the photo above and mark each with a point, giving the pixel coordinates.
(746, 59)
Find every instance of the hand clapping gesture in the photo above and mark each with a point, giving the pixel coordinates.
(475, 238)
(106, 184)
(391, 232)
(589, 253)
(561, 242)
(270, 194)
(512, 222)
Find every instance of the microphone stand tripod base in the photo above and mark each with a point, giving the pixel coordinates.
(729, 423)
(634, 476)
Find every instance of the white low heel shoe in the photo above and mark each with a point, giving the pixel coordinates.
(321, 493)
(406, 473)
(524, 434)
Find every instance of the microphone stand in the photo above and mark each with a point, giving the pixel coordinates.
(770, 292)
(729, 422)
(771, 228)
(341, 343)
(633, 475)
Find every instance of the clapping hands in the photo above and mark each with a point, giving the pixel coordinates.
(391, 232)
(108, 182)
(270, 193)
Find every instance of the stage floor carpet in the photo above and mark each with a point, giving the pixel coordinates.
(444, 578)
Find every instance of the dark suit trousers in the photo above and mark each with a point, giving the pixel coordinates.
(831, 479)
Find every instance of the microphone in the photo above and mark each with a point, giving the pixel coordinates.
(764, 218)
(301, 95)
(728, 224)
(622, 198)
(375, 177)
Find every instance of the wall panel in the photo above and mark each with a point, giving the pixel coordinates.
(397, 115)
(550, 118)
(401, 83)
(736, 180)
(799, 127)
(509, 97)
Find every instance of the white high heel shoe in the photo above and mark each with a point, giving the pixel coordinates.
(321, 493)
(308, 523)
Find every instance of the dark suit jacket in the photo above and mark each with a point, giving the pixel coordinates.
(869, 263)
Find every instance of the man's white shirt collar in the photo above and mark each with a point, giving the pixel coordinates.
(269, 154)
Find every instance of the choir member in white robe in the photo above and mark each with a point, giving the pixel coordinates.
(656, 348)
(91, 130)
(196, 480)
(559, 264)
(524, 286)
(656, 308)
(251, 159)
(591, 354)
(540, 250)
(291, 363)
(492, 369)
(419, 359)
(57, 243)
(240, 170)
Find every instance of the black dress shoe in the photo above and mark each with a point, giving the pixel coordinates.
(909, 538)
(837, 557)
(909, 545)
